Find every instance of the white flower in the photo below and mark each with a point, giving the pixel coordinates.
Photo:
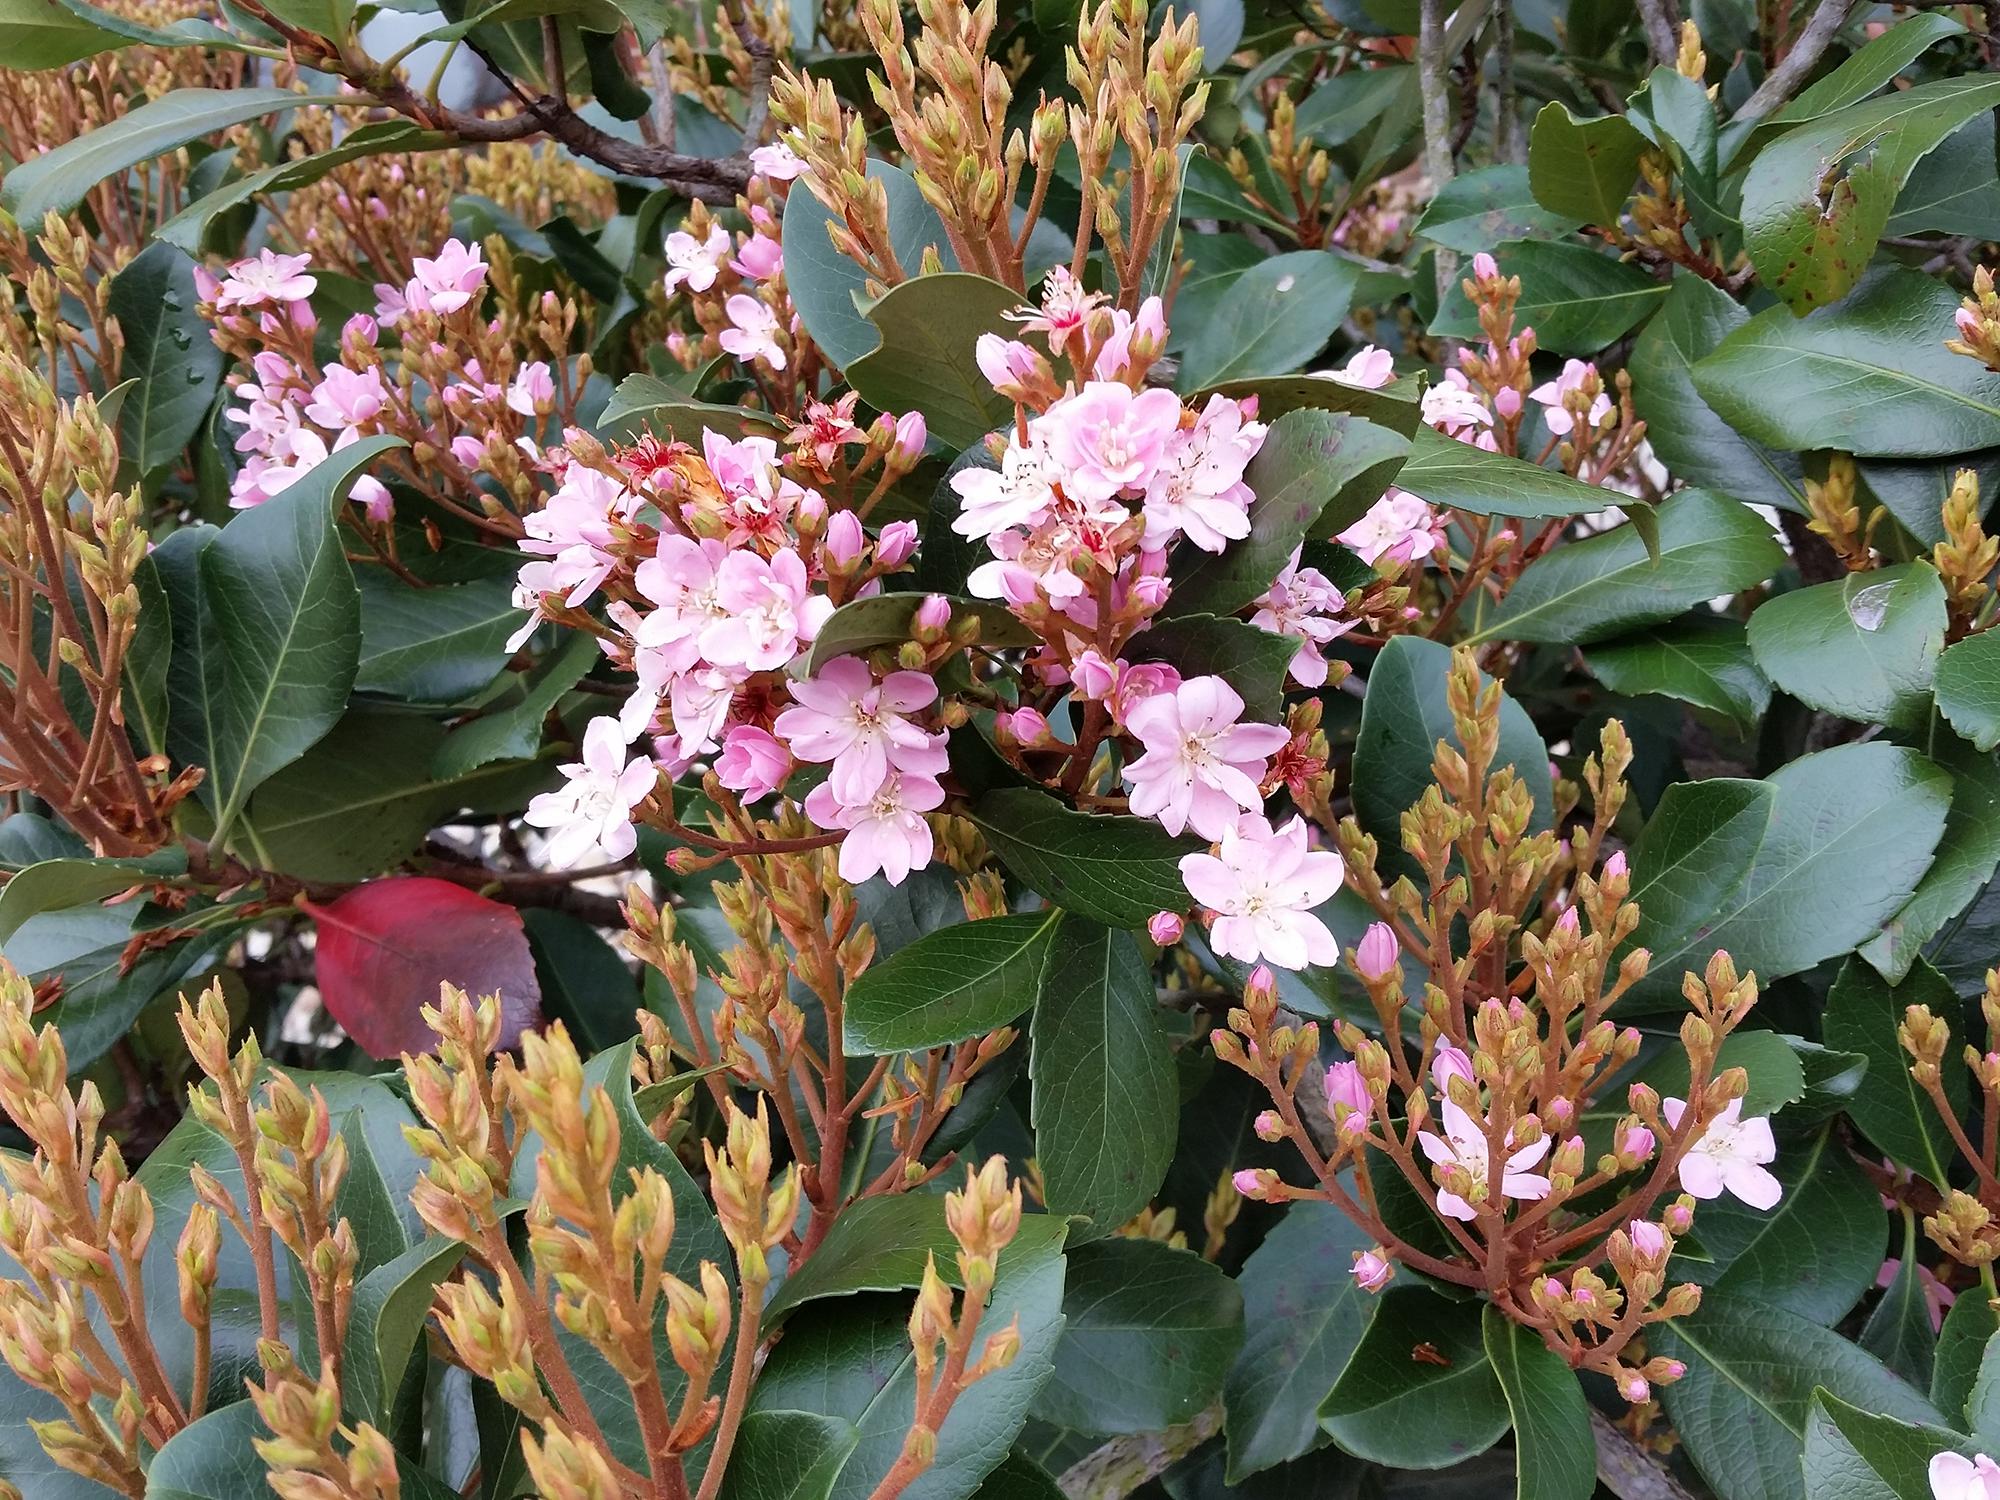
(1464, 1142)
(1956, 1477)
(695, 263)
(1263, 886)
(1729, 1157)
(754, 332)
(592, 812)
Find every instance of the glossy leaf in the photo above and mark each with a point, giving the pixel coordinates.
(1555, 1452)
(583, 978)
(1701, 660)
(1449, 473)
(1416, 1414)
(1968, 688)
(951, 984)
(824, 283)
(1855, 1454)
(1898, 1331)
(1274, 319)
(928, 327)
(1862, 1015)
(1576, 299)
(386, 1324)
(385, 947)
(1479, 209)
(1252, 660)
(514, 732)
(1967, 856)
(1864, 646)
(876, 1245)
(1969, 1326)
(169, 351)
(1612, 582)
(1583, 169)
(1148, 1333)
(36, 35)
(1106, 1096)
(863, 625)
(1107, 868)
(433, 645)
(787, 1455)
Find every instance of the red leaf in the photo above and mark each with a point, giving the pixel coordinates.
(385, 947)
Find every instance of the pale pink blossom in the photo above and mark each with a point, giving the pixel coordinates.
(759, 258)
(266, 277)
(1729, 1157)
(1015, 495)
(896, 543)
(1303, 602)
(1065, 306)
(533, 581)
(1376, 954)
(1372, 1270)
(532, 390)
(844, 716)
(1263, 885)
(1953, 1476)
(1012, 368)
(446, 281)
(1454, 408)
(1144, 335)
(574, 528)
(1201, 767)
(1399, 527)
(753, 331)
(695, 263)
(1197, 489)
(752, 763)
(698, 703)
(681, 580)
(1648, 1239)
(887, 833)
(1092, 676)
(913, 435)
(768, 611)
(1464, 1143)
(777, 161)
(1450, 1062)
(346, 398)
(1106, 438)
(1484, 267)
(590, 816)
(1555, 415)
(1368, 368)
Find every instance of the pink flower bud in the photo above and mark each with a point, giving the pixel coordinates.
(207, 286)
(1262, 987)
(468, 450)
(1507, 401)
(1152, 591)
(1636, 1145)
(1376, 955)
(1614, 867)
(812, 508)
(1347, 1098)
(1679, 1218)
(1648, 1238)
(1484, 266)
(1269, 1127)
(896, 544)
(1584, 1297)
(1166, 927)
(1675, 1369)
(1561, 1114)
(1553, 1289)
(1635, 1389)
(752, 762)
(844, 540)
(1027, 726)
(1093, 676)
(1250, 1182)
(1569, 922)
(933, 614)
(1372, 1270)
(1449, 1063)
(911, 436)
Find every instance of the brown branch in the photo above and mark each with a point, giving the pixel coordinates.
(1779, 83)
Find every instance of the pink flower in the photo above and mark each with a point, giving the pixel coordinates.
(345, 399)
(1464, 1143)
(1555, 415)
(777, 161)
(1092, 676)
(695, 263)
(574, 528)
(1648, 1239)
(1729, 1156)
(1399, 527)
(1450, 1062)
(1144, 335)
(1065, 305)
(1166, 927)
(1027, 725)
(896, 543)
(1454, 408)
(1254, 1182)
(1953, 1476)
(1376, 954)
(698, 703)
(753, 333)
(1201, 767)
(1369, 368)
(1197, 491)
(1303, 602)
(264, 278)
(1347, 1098)
(932, 616)
(913, 435)
(752, 762)
(1263, 886)
(1018, 494)
(532, 390)
(1372, 1270)
(768, 611)
(445, 282)
(844, 716)
(1105, 439)
(887, 833)
(591, 814)
(1484, 267)
(760, 257)
(682, 581)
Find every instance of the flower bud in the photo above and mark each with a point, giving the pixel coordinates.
(1166, 927)
(896, 544)
(1375, 958)
(1372, 1270)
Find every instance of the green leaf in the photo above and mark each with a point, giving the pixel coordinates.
(1967, 856)
(1815, 1254)
(1902, 393)
(1577, 299)
(1251, 660)
(862, 625)
(825, 284)
(1950, 192)
(1982, 1407)
(1303, 1314)
(1862, 1014)
(1019, 1477)
(167, 348)
(38, 34)
(386, 1324)
(1968, 688)
(850, 1358)
(951, 984)
(1816, 200)
(787, 1455)
(1583, 169)
(1742, 1407)
(1700, 660)
(1775, 1075)
(57, 180)
(645, 403)
(1695, 443)
(1969, 1326)
(515, 731)
(1106, 1096)
(1876, 64)
(585, 983)
(1898, 1330)
(1555, 1451)
(876, 1245)
(1610, 583)
(1864, 646)
(924, 362)
(263, 668)
(1317, 473)
(1398, 407)
(433, 645)
(1852, 1454)
(1106, 868)
(1479, 209)
(59, 884)
(1275, 318)
(1404, 715)
(1459, 476)
(1409, 1414)
(1765, 869)
(1148, 1333)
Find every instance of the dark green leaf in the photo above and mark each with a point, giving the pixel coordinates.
(1251, 660)
(1276, 317)
(1583, 169)
(515, 731)
(386, 1324)
(585, 984)
(1148, 1333)
(1852, 1454)
(787, 1455)
(1110, 869)
(433, 645)
(952, 984)
(1862, 1015)
(1410, 1414)
(1968, 1327)
(1610, 583)
(1577, 299)
(646, 403)
(886, 620)
(1864, 646)
(1967, 856)
(1555, 1452)
(1106, 1097)
(167, 348)
(876, 1245)
(1968, 688)
(924, 362)
(1457, 475)
(1898, 1330)
(1701, 660)
(1479, 209)
(38, 34)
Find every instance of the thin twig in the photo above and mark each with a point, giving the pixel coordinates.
(1806, 52)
